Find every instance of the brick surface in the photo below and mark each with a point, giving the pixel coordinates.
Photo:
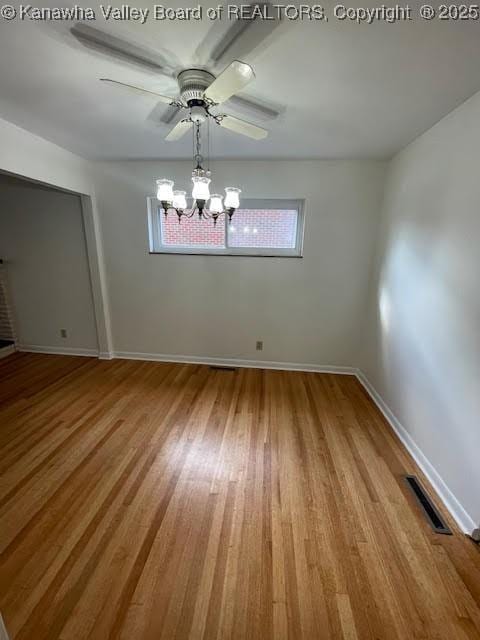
(256, 228)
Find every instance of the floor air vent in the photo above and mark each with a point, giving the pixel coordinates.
(432, 515)
(220, 368)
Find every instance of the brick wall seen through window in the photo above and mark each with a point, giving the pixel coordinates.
(268, 228)
(192, 232)
(262, 227)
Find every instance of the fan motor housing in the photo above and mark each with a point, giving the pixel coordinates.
(193, 83)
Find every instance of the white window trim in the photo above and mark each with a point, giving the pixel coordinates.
(154, 232)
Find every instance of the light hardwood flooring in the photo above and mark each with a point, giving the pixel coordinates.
(149, 501)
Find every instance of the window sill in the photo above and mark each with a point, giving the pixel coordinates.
(223, 255)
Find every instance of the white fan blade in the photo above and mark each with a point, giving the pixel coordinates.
(131, 87)
(241, 36)
(170, 114)
(243, 127)
(179, 130)
(259, 109)
(235, 77)
(117, 48)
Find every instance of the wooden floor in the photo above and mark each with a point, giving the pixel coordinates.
(149, 501)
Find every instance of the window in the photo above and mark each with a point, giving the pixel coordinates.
(259, 228)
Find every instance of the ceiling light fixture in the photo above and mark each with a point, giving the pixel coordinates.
(177, 200)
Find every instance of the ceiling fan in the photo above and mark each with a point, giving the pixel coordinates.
(200, 90)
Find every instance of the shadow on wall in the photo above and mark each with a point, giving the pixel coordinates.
(429, 350)
(42, 239)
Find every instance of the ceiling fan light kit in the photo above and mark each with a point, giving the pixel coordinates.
(200, 94)
(200, 91)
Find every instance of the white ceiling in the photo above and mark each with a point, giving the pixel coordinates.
(346, 90)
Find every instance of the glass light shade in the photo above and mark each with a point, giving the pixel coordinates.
(200, 189)
(165, 190)
(179, 200)
(216, 204)
(232, 198)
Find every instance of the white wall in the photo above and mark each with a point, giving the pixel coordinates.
(305, 310)
(423, 347)
(24, 154)
(43, 241)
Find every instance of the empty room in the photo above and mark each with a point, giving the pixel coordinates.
(239, 321)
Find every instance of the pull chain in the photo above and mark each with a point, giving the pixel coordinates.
(198, 155)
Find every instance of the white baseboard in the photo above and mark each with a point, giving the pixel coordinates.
(7, 351)
(3, 631)
(460, 515)
(456, 510)
(235, 362)
(60, 351)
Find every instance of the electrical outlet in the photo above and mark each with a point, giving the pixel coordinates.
(63, 333)
(259, 346)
